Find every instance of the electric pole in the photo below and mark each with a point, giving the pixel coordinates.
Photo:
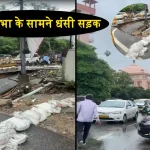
(70, 42)
(22, 46)
(146, 11)
(23, 77)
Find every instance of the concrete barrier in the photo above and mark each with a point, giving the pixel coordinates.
(131, 21)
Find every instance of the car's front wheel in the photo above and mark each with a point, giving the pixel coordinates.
(136, 116)
(124, 118)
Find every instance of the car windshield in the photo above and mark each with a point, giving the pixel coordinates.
(114, 104)
(141, 101)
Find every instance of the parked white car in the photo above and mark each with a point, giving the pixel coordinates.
(117, 110)
(29, 60)
(121, 15)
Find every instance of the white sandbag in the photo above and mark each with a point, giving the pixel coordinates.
(65, 103)
(144, 50)
(6, 132)
(136, 47)
(132, 55)
(18, 139)
(4, 138)
(11, 146)
(55, 103)
(2, 147)
(46, 106)
(144, 42)
(146, 39)
(72, 100)
(20, 124)
(43, 114)
(45, 111)
(56, 110)
(33, 116)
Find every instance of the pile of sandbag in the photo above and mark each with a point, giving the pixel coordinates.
(139, 49)
(9, 139)
(39, 113)
(22, 121)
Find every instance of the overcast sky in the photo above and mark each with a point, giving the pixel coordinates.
(107, 9)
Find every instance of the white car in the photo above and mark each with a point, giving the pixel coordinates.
(121, 15)
(117, 110)
(140, 103)
(29, 60)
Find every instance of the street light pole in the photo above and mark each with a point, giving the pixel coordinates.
(23, 77)
(22, 46)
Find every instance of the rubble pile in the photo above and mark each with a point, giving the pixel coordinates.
(46, 74)
(59, 87)
(22, 121)
(139, 49)
(7, 60)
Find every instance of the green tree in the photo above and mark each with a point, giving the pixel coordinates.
(134, 8)
(93, 74)
(121, 79)
(3, 8)
(43, 6)
(53, 45)
(8, 45)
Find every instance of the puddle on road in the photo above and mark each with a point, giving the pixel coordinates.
(92, 145)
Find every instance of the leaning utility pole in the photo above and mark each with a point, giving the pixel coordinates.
(23, 78)
(146, 20)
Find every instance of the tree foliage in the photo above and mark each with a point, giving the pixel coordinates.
(31, 5)
(53, 45)
(96, 77)
(93, 74)
(43, 6)
(134, 8)
(9, 45)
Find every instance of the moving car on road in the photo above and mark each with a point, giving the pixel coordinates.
(121, 15)
(117, 110)
(140, 103)
(144, 127)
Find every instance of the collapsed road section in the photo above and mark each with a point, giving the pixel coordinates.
(131, 32)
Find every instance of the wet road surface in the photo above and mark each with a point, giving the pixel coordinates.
(116, 136)
(43, 139)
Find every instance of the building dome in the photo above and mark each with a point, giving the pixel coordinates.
(134, 69)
